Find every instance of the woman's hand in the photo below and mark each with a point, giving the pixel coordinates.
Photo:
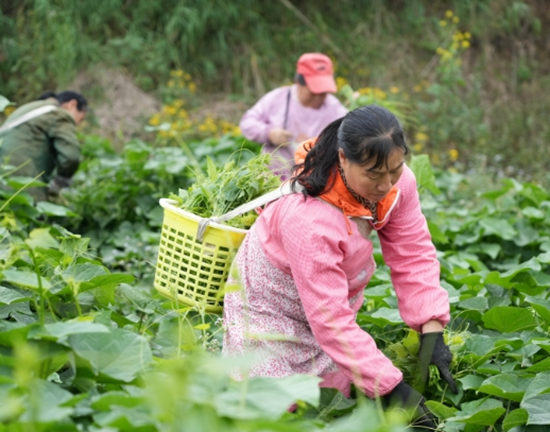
(405, 397)
(434, 351)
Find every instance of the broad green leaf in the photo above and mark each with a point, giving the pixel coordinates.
(508, 319)
(25, 278)
(44, 404)
(80, 273)
(480, 412)
(51, 209)
(541, 306)
(107, 281)
(126, 419)
(515, 418)
(540, 384)
(498, 227)
(105, 401)
(4, 103)
(438, 236)
(422, 169)
(471, 382)
(266, 397)
(119, 354)
(204, 326)
(364, 418)
(41, 238)
(541, 366)
(538, 409)
(11, 295)
(13, 332)
(506, 385)
(61, 330)
(441, 411)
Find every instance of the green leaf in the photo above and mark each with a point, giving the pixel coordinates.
(538, 409)
(498, 227)
(266, 397)
(42, 238)
(515, 418)
(471, 382)
(438, 236)
(13, 332)
(44, 403)
(540, 384)
(541, 366)
(541, 306)
(480, 412)
(107, 281)
(422, 169)
(24, 278)
(50, 209)
(508, 319)
(61, 330)
(441, 411)
(4, 102)
(11, 295)
(119, 354)
(506, 386)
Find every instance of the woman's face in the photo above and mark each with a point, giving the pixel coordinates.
(373, 184)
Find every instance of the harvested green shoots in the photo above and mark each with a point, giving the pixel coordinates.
(224, 189)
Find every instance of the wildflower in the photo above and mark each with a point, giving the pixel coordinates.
(421, 137)
(155, 120)
(417, 147)
(453, 154)
(394, 90)
(9, 109)
(465, 44)
(341, 82)
(417, 88)
(171, 83)
(440, 51)
(364, 91)
(456, 19)
(467, 35)
(442, 23)
(449, 14)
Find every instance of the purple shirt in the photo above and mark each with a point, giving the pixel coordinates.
(303, 122)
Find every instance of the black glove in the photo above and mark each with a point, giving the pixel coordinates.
(434, 351)
(404, 396)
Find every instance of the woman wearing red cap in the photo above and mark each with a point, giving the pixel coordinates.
(288, 115)
(304, 264)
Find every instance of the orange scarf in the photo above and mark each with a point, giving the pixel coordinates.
(340, 196)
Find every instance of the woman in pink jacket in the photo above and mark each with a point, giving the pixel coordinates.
(304, 264)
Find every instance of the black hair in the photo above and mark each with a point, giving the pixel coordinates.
(66, 96)
(367, 134)
(299, 78)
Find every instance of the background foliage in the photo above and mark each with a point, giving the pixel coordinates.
(488, 104)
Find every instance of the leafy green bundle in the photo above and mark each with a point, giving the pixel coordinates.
(224, 189)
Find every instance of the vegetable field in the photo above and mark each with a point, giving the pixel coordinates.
(86, 344)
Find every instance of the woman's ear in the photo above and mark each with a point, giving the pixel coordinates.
(341, 156)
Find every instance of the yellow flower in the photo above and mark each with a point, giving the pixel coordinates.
(453, 154)
(394, 89)
(458, 36)
(417, 147)
(417, 88)
(171, 83)
(435, 159)
(192, 87)
(449, 14)
(442, 23)
(467, 35)
(364, 91)
(9, 109)
(341, 82)
(380, 94)
(456, 19)
(155, 120)
(421, 137)
(465, 44)
(440, 51)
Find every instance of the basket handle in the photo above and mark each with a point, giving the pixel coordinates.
(284, 189)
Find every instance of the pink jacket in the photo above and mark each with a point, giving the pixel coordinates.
(302, 122)
(308, 239)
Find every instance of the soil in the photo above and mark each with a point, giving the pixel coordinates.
(119, 109)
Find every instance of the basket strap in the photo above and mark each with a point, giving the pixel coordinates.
(284, 189)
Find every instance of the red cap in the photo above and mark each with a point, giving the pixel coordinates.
(317, 71)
